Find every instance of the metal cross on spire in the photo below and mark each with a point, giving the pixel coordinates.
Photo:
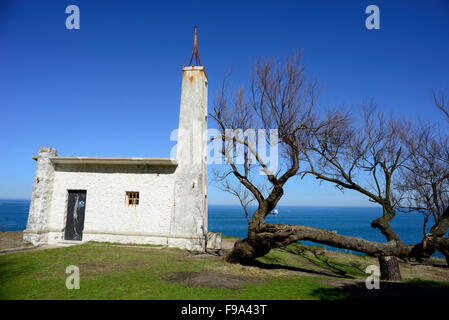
(195, 57)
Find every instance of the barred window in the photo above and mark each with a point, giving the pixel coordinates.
(132, 198)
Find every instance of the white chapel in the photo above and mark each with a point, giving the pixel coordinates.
(160, 201)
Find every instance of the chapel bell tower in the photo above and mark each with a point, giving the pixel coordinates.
(190, 207)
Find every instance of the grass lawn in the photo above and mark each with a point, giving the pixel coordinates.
(110, 271)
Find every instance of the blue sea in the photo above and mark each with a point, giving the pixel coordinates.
(230, 220)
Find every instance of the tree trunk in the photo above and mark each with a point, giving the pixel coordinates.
(443, 247)
(271, 236)
(389, 268)
(245, 252)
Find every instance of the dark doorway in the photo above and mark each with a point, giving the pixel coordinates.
(76, 207)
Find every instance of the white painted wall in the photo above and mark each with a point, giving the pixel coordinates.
(106, 209)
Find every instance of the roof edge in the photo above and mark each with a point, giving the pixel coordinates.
(114, 160)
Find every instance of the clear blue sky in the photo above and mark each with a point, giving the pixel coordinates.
(112, 88)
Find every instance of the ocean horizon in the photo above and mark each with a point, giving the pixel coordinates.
(230, 220)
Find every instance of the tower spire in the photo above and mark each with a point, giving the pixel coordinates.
(195, 57)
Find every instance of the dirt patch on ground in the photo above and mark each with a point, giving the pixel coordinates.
(437, 272)
(11, 239)
(209, 279)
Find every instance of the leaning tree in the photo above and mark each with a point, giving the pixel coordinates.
(334, 147)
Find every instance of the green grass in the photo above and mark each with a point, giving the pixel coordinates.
(111, 272)
(230, 238)
(140, 272)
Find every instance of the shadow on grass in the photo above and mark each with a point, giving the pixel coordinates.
(276, 266)
(410, 290)
(319, 259)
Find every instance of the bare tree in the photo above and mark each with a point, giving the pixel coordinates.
(442, 103)
(279, 98)
(426, 181)
(223, 181)
(366, 157)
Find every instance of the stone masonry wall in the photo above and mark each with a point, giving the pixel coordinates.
(35, 232)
